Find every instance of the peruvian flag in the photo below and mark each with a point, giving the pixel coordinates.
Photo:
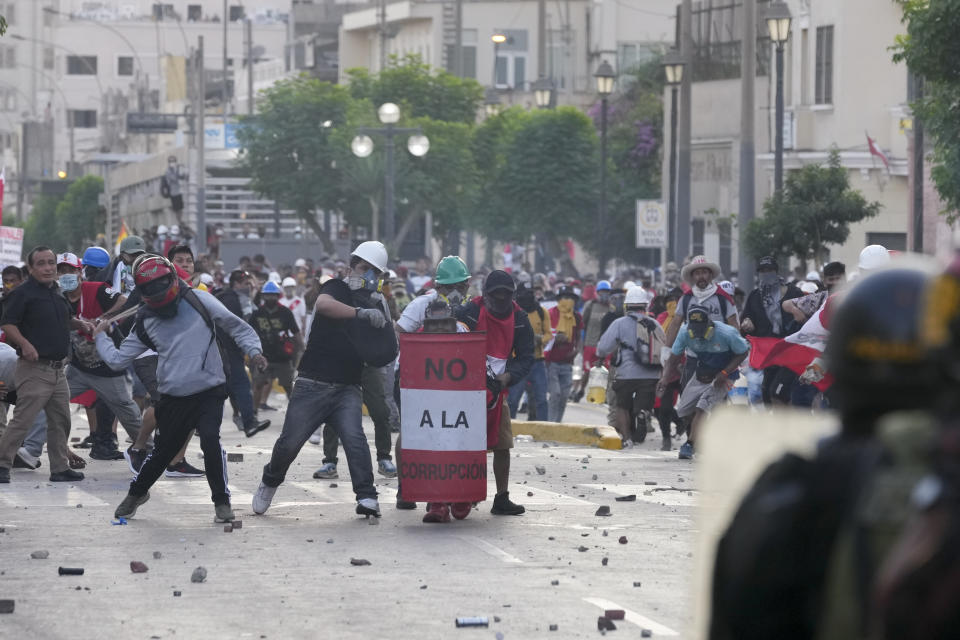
(878, 152)
(797, 350)
(3, 185)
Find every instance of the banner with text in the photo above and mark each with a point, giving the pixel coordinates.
(651, 224)
(443, 417)
(11, 245)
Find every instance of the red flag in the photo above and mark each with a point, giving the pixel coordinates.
(876, 151)
(768, 352)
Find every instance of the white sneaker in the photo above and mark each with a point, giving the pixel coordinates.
(386, 468)
(368, 507)
(317, 436)
(627, 444)
(31, 461)
(262, 498)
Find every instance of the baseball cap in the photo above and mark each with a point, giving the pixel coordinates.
(698, 315)
(499, 279)
(567, 292)
(133, 244)
(768, 262)
(70, 259)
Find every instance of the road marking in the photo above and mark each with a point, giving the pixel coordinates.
(193, 491)
(634, 617)
(493, 550)
(49, 496)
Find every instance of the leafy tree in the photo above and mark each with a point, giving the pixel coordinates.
(419, 90)
(79, 216)
(931, 48)
(40, 226)
(490, 147)
(291, 147)
(815, 208)
(549, 179)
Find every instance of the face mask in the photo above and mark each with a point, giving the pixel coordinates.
(768, 278)
(671, 308)
(365, 282)
(270, 303)
(499, 307)
(565, 305)
(8, 286)
(69, 281)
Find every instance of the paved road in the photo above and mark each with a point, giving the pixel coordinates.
(288, 574)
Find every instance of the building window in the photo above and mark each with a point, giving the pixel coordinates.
(125, 66)
(236, 13)
(511, 62)
(560, 61)
(724, 230)
(699, 226)
(469, 44)
(83, 118)
(49, 58)
(194, 13)
(717, 28)
(8, 99)
(81, 65)
(8, 57)
(892, 241)
(824, 78)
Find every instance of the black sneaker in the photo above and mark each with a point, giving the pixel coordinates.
(256, 427)
(503, 507)
(183, 469)
(405, 505)
(102, 452)
(266, 407)
(86, 443)
(66, 476)
(128, 507)
(4, 475)
(135, 458)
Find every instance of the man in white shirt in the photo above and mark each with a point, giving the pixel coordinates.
(295, 303)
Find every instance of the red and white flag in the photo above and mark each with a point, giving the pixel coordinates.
(443, 417)
(878, 152)
(3, 186)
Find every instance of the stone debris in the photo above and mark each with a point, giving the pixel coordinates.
(649, 482)
(594, 476)
(553, 627)
(630, 498)
(614, 614)
(199, 575)
(605, 561)
(6, 606)
(603, 510)
(636, 584)
(540, 469)
(79, 506)
(605, 624)
(177, 594)
(554, 582)
(137, 567)
(605, 533)
(234, 457)
(423, 586)
(646, 633)
(40, 555)
(529, 494)
(228, 528)
(582, 548)
(333, 485)
(157, 555)
(359, 562)
(622, 540)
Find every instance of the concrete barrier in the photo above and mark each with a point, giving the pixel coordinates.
(586, 434)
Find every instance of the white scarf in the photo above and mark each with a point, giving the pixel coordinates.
(703, 294)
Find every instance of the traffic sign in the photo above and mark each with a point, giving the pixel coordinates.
(651, 224)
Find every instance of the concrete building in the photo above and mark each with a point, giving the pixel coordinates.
(840, 86)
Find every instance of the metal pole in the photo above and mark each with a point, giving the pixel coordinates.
(748, 163)
(918, 171)
(672, 213)
(542, 39)
(684, 135)
(388, 190)
(201, 152)
(496, 52)
(226, 93)
(778, 157)
(383, 35)
(602, 221)
(250, 105)
(458, 40)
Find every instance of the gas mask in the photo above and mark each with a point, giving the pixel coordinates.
(454, 298)
(367, 281)
(499, 306)
(69, 281)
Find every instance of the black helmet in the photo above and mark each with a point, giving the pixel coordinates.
(876, 350)
(941, 324)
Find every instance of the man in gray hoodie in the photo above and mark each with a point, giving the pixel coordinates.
(181, 325)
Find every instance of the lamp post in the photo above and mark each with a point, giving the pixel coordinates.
(362, 146)
(778, 23)
(605, 78)
(673, 65)
(497, 39)
(543, 92)
(491, 102)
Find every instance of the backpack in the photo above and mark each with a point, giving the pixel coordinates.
(650, 342)
(772, 561)
(190, 296)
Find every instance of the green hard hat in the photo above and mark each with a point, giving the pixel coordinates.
(452, 270)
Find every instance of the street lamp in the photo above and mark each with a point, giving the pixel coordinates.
(497, 39)
(491, 102)
(362, 146)
(605, 77)
(778, 23)
(673, 66)
(543, 92)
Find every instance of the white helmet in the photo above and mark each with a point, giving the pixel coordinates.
(873, 257)
(274, 277)
(174, 230)
(288, 282)
(808, 287)
(373, 252)
(813, 276)
(629, 284)
(727, 287)
(162, 230)
(300, 263)
(637, 295)
(206, 279)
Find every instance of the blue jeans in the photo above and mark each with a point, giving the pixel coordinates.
(538, 391)
(312, 404)
(238, 386)
(559, 383)
(754, 386)
(37, 435)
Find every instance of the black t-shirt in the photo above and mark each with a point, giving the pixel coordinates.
(608, 319)
(42, 315)
(275, 327)
(330, 355)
